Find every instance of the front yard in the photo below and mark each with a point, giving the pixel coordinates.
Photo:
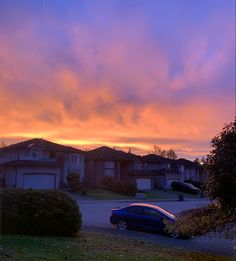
(90, 246)
(157, 194)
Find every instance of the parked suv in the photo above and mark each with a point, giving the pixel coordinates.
(184, 187)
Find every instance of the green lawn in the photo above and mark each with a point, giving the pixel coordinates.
(105, 194)
(153, 194)
(89, 246)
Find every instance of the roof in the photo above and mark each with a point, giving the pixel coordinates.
(153, 158)
(44, 144)
(187, 163)
(30, 163)
(106, 153)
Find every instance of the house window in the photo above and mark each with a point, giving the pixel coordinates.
(109, 168)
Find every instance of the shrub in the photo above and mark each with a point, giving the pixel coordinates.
(73, 181)
(36, 212)
(196, 222)
(124, 188)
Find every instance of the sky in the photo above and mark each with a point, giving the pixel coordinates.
(123, 73)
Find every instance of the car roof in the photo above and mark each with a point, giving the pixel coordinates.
(163, 211)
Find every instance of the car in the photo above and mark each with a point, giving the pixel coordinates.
(185, 187)
(141, 216)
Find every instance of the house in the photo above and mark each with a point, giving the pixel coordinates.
(149, 172)
(105, 161)
(160, 172)
(39, 164)
(156, 172)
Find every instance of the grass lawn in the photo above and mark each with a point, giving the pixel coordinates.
(89, 246)
(157, 194)
(105, 194)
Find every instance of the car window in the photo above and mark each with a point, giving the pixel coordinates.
(152, 213)
(135, 210)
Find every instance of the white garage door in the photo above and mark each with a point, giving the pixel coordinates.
(40, 181)
(144, 183)
(169, 181)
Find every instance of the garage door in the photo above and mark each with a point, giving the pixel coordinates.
(169, 181)
(144, 184)
(39, 181)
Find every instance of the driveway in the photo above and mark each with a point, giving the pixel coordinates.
(96, 215)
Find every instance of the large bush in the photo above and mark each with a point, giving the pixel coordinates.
(197, 222)
(124, 188)
(36, 212)
(221, 167)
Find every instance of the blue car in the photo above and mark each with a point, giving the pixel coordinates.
(141, 216)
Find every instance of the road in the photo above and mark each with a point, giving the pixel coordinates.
(96, 215)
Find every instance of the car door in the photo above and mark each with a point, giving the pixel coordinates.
(153, 219)
(135, 216)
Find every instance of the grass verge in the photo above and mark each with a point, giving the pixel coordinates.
(90, 246)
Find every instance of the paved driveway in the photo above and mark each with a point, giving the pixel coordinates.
(96, 215)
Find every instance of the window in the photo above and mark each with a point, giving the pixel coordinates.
(152, 213)
(109, 168)
(135, 210)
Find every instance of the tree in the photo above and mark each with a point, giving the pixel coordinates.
(157, 149)
(167, 154)
(171, 154)
(3, 144)
(221, 167)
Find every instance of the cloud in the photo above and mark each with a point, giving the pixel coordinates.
(133, 82)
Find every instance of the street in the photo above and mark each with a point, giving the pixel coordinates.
(96, 213)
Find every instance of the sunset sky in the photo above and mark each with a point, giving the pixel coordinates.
(123, 73)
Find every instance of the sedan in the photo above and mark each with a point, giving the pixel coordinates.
(141, 216)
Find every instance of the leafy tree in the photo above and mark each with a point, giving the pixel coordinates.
(221, 166)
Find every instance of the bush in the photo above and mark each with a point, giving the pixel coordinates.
(36, 212)
(124, 188)
(73, 181)
(196, 222)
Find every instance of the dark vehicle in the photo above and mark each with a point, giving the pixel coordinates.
(142, 217)
(184, 187)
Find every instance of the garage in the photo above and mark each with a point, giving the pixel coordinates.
(39, 180)
(144, 183)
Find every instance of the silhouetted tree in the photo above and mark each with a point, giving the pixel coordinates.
(171, 154)
(221, 166)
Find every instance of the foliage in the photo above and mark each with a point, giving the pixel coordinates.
(221, 167)
(124, 188)
(167, 154)
(36, 212)
(196, 222)
(73, 181)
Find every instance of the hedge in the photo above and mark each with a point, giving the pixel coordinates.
(38, 212)
(125, 188)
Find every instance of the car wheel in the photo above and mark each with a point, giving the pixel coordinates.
(122, 225)
(174, 235)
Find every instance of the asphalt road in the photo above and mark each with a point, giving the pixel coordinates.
(96, 215)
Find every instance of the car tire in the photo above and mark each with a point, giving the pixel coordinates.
(174, 235)
(122, 225)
